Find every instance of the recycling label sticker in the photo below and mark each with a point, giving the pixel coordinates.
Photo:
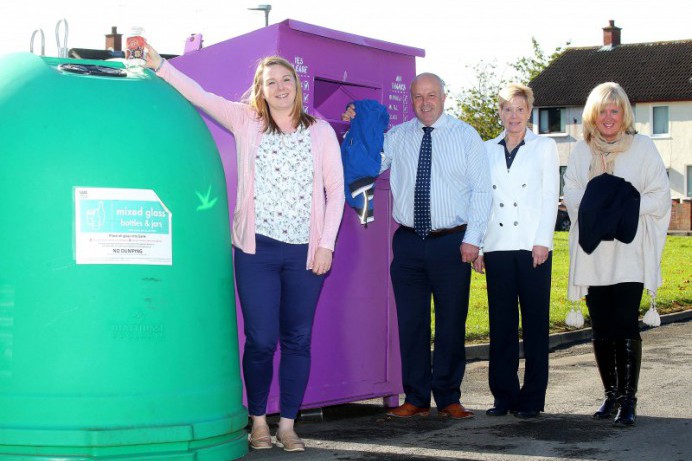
(122, 226)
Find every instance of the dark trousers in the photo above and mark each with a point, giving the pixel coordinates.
(278, 297)
(422, 268)
(514, 285)
(614, 310)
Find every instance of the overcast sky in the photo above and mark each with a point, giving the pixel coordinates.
(456, 34)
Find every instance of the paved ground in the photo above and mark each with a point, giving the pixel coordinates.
(363, 432)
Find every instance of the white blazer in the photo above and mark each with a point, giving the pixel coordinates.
(525, 197)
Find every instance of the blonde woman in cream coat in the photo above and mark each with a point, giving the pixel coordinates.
(614, 276)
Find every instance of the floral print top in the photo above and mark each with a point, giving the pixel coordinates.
(283, 186)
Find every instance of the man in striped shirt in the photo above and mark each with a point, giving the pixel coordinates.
(439, 237)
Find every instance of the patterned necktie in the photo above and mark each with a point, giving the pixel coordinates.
(421, 199)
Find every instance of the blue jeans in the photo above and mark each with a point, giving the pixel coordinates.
(278, 297)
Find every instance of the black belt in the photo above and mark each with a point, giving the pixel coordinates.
(438, 232)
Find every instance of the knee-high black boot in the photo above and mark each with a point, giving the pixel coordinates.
(628, 356)
(604, 350)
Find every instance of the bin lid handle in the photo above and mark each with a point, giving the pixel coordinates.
(43, 41)
(62, 46)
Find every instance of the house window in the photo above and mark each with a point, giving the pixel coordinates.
(660, 121)
(689, 181)
(551, 120)
(562, 180)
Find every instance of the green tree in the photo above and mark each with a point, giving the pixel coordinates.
(477, 105)
(529, 67)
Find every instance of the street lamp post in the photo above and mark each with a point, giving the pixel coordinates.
(266, 9)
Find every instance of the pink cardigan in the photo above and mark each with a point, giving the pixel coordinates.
(241, 120)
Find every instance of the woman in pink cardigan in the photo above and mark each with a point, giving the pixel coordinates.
(290, 199)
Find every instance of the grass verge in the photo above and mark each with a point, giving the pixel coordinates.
(675, 294)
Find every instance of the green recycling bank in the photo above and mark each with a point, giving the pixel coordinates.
(118, 335)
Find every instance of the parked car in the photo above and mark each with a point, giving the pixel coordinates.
(562, 223)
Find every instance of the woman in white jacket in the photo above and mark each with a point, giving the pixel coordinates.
(517, 255)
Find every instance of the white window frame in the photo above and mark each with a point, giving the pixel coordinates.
(660, 135)
(563, 121)
(688, 175)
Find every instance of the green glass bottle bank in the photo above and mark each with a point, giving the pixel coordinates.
(118, 335)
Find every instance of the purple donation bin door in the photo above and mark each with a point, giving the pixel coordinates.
(355, 346)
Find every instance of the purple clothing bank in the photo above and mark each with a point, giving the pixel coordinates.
(355, 348)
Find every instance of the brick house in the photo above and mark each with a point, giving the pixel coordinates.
(657, 77)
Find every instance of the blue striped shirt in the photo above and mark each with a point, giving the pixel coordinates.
(460, 176)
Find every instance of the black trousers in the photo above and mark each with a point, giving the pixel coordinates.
(614, 310)
(514, 285)
(422, 268)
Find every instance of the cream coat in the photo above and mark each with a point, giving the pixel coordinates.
(615, 262)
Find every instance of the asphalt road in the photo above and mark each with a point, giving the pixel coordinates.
(363, 432)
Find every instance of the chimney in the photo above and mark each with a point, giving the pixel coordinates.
(114, 40)
(611, 35)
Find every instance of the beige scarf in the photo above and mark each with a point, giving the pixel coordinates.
(605, 153)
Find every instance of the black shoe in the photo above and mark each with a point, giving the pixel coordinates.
(629, 358)
(604, 350)
(494, 411)
(527, 414)
(608, 408)
(627, 414)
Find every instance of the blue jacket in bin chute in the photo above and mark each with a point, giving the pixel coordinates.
(361, 156)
